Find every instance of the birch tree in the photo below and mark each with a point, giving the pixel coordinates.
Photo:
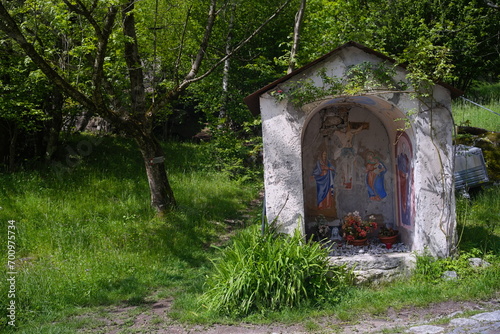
(299, 17)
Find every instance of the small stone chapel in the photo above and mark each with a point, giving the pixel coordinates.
(384, 152)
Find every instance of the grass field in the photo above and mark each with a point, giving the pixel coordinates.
(85, 234)
(86, 238)
(466, 113)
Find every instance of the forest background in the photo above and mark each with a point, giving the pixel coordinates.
(100, 224)
(156, 69)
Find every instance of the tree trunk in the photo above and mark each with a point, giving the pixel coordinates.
(12, 148)
(162, 196)
(227, 66)
(53, 126)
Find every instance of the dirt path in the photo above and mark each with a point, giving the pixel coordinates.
(154, 318)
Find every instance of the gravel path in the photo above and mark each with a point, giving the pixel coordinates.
(447, 318)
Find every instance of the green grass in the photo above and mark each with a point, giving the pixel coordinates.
(468, 114)
(89, 241)
(86, 235)
(479, 228)
(485, 94)
(259, 273)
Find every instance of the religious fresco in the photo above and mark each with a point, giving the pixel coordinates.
(375, 173)
(346, 165)
(335, 123)
(324, 174)
(347, 151)
(404, 170)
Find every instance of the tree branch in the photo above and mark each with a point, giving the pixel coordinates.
(10, 27)
(181, 47)
(133, 60)
(192, 78)
(212, 13)
(103, 35)
(187, 81)
(296, 36)
(83, 11)
(102, 45)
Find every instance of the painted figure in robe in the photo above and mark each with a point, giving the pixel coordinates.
(324, 174)
(375, 172)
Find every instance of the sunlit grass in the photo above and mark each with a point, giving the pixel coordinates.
(86, 238)
(466, 113)
(477, 219)
(86, 235)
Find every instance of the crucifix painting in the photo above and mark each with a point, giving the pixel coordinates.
(347, 152)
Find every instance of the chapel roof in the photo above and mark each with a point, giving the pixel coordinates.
(253, 101)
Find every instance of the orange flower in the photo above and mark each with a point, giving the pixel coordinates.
(355, 228)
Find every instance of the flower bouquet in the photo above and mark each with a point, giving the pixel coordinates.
(354, 228)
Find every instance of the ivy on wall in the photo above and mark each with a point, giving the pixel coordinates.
(359, 78)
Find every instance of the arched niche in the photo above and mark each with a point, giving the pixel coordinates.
(353, 151)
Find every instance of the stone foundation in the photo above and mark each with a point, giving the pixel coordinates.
(377, 269)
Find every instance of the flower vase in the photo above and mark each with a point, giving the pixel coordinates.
(357, 242)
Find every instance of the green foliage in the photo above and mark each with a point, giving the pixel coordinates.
(367, 76)
(303, 91)
(427, 63)
(22, 89)
(259, 273)
(235, 153)
(86, 235)
(431, 269)
(479, 231)
(430, 34)
(359, 78)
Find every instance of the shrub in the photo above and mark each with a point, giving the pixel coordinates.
(430, 269)
(271, 272)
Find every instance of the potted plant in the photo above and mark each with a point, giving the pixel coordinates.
(355, 230)
(322, 227)
(388, 236)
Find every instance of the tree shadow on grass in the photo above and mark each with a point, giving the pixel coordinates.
(479, 237)
(107, 173)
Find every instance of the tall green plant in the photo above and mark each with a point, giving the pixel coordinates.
(271, 272)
